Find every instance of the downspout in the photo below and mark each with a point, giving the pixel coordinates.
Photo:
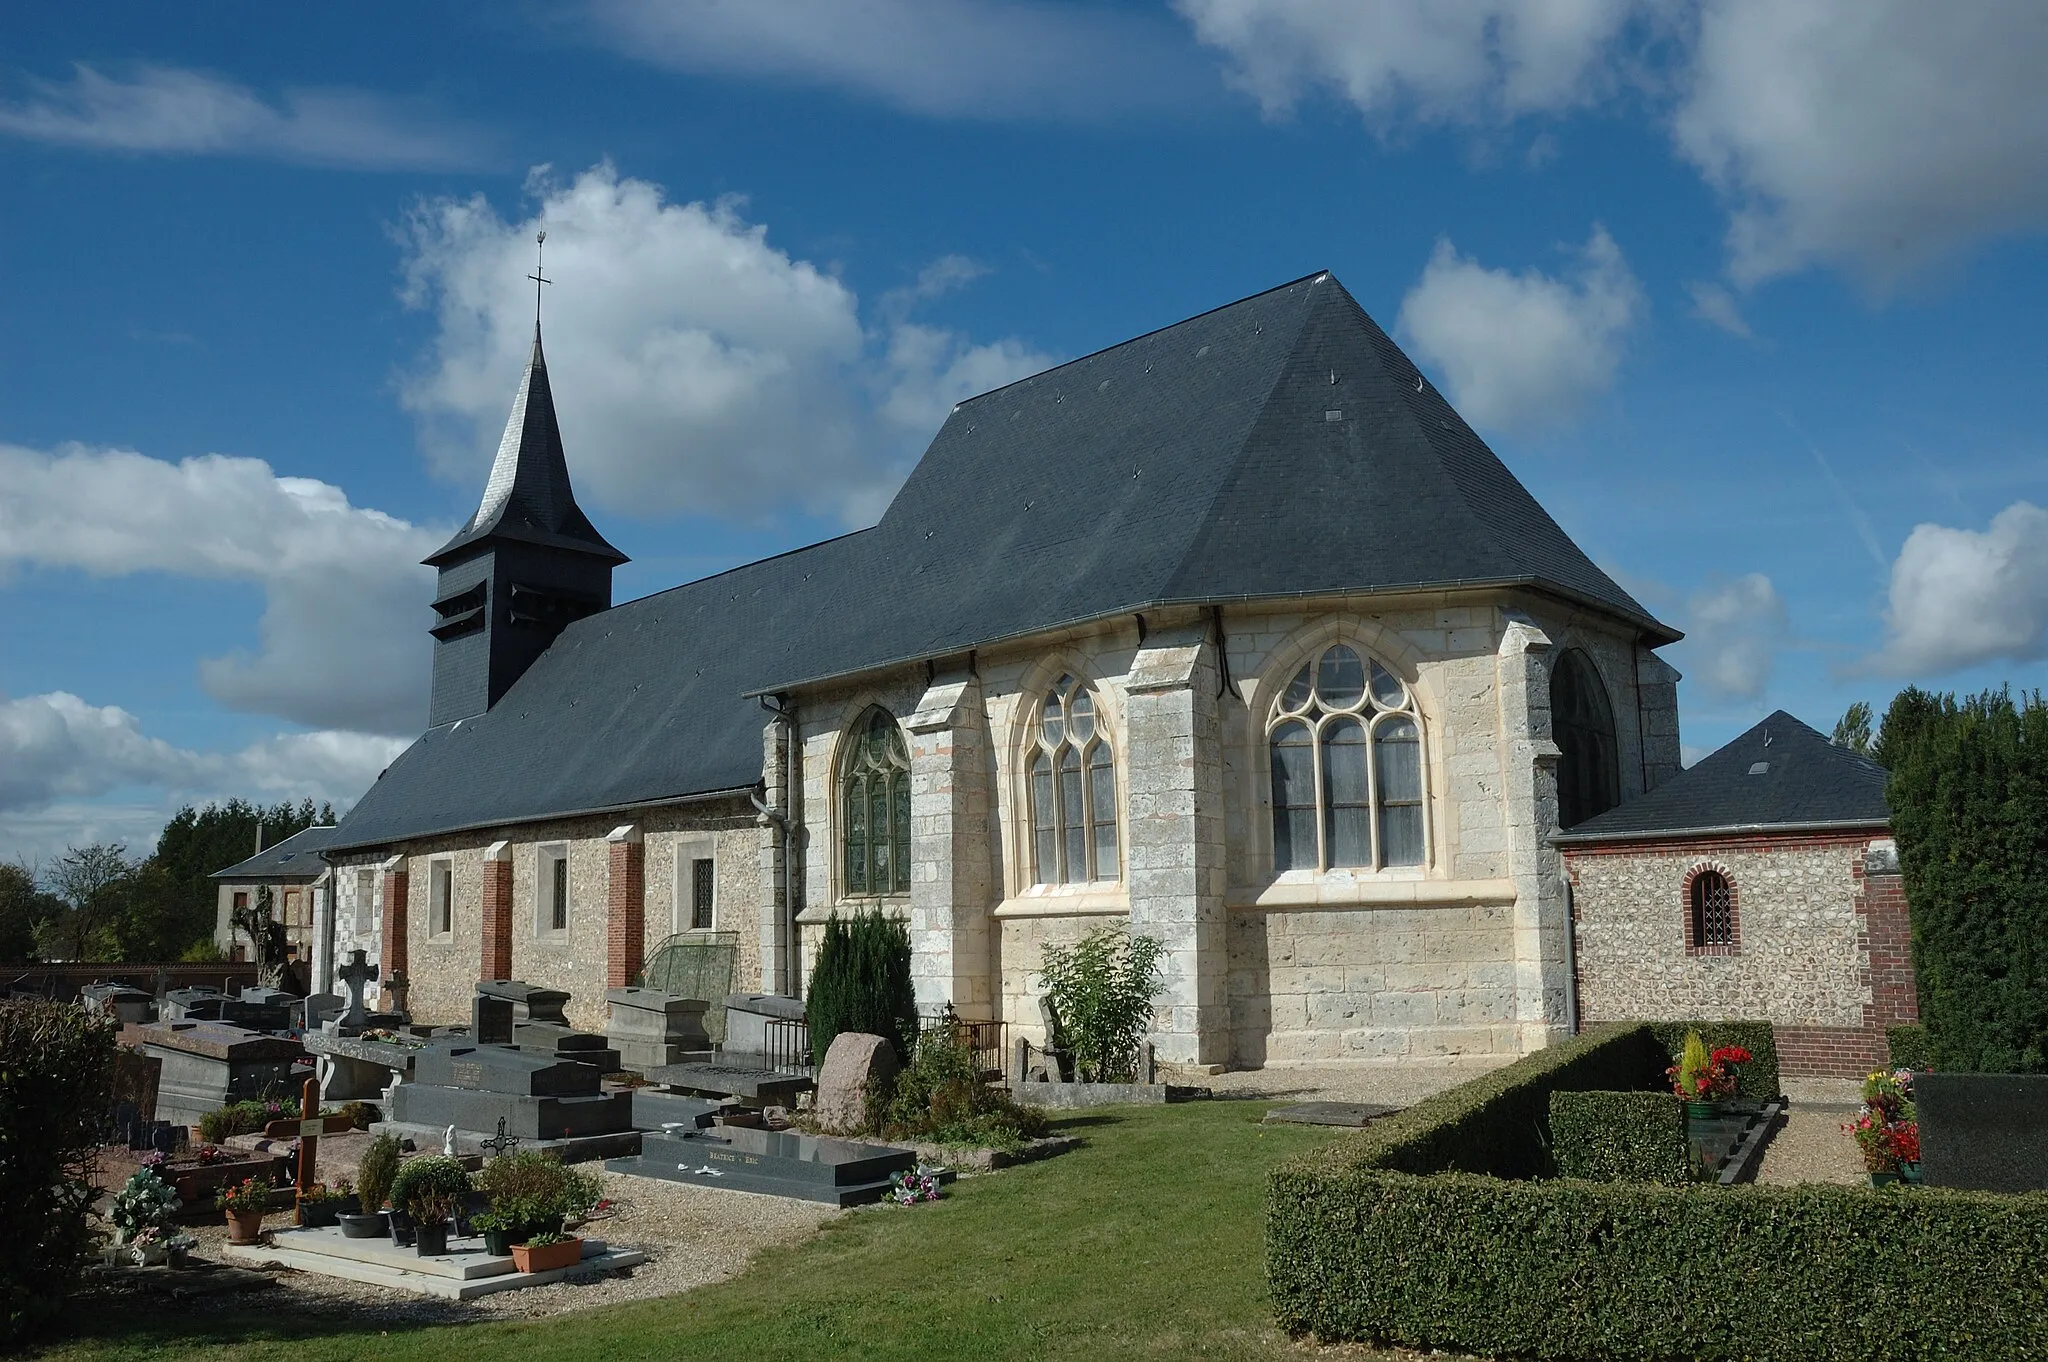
(787, 976)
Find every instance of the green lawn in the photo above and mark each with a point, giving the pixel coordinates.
(1147, 1242)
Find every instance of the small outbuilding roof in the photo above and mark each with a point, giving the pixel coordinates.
(297, 857)
(1780, 776)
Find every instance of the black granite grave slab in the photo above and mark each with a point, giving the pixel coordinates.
(1983, 1132)
(760, 1085)
(1352, 1114)
(566, 1043)
(500, 1069)
(490, 1020)
(652, 1110)
(778, 1163)
(530, 1118)
(530, 1002)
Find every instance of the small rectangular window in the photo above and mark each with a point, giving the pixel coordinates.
(441, 898)
(554, 889)
(241, 901)
(703, 882)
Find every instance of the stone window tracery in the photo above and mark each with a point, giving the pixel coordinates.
(1073, 791)
(1346, 748)
(874, 801)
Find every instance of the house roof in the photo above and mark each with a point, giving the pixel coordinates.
(1280, 446)
(528, 497)
(297, 857)
(1779, 776)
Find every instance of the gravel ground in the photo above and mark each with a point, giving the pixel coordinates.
(1811, 1147)
(692, 1236)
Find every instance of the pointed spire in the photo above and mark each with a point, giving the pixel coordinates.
(528, 497)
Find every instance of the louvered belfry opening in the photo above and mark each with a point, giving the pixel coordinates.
(1713, 910)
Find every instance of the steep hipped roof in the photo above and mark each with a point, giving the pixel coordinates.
(1280, 446)
(1780, 775)
(297, 857)
(528, 497)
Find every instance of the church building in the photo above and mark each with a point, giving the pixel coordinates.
(1235, 631)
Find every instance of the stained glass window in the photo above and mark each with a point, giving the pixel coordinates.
(874, 784)
(1582, 724)
(1346, 751)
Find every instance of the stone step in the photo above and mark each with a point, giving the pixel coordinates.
(403, 1270)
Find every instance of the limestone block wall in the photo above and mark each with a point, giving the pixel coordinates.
(1803, 959)
(1381, 983)
(1019, 943)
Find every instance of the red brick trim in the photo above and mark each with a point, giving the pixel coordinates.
(626, 912)
(1830, 1051)
(1885, 942)
(1734, 947)
(496, 959)
(397, 961)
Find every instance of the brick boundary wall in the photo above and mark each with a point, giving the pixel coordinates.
(1884, 941)
(496, 958)
(397, 961)
(626, 911)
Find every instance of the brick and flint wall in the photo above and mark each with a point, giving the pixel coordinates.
(1822, 941)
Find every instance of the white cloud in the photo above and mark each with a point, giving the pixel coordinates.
(57, 752)
(1877, 135)
(1960, 597)
(1522, 351)
(1733, 632)
(343, 642)
(165, 110)
(695, 366)
(1712, 303)
(1465, 63)
(992, 59)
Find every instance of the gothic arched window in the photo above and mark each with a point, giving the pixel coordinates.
(1346, 746)
(1073, 791)
(1582, 722)
(1713, 911)
(874, 797)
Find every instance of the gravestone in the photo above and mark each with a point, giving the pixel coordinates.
(354, 975)
(180, 1002)
(747, 1019)
(651, 1028)
(538, 1097)
(320, 1008)
(124, 1003)
(136, 1078)
(1983, 1132)
(778, 1163)
(490, 1020)
(207, 1065)
(854, 1066)
(530, 1002)
(352, 1069)
(540, 1025)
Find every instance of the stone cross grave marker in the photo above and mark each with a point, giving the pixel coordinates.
(356, 973)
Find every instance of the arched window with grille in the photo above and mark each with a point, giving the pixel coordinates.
(1582, 723)
(1345, 743)
(1073, 791)
(1711, 903)
(874, 802)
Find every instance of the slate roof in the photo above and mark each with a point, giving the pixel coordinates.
(528, 496)
(1279, 446)
(297, 857)
(1780, 775)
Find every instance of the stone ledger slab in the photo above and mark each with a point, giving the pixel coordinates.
(650, 1028)
(771, 1162)
(763, 1087)
(207, 1065)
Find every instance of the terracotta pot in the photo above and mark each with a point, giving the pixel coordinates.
(245, 1227)
(547, 1257)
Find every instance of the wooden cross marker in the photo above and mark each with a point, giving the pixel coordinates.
(310, 1126)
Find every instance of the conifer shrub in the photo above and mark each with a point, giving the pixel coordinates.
(56, 1077)
(1969, 807)
(861, 983)
(376, 1172)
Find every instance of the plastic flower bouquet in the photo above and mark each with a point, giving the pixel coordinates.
(145, 1202)
(914, 1185)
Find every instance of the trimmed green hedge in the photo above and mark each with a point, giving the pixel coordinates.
(1586, 1270)
(1498, 1123)
(1759, 1081)
(1620, 1137)
(1909, 1047)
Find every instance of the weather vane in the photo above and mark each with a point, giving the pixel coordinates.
(539, 244)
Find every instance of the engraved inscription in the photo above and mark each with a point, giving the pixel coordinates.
(466, 1074)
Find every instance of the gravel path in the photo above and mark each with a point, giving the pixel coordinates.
(1811, 1147)
(692, 1236)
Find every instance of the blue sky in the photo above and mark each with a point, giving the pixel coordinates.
(1746, 292)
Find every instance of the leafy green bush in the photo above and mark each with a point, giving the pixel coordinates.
(56, 1075)
(1588, 1270)
(246, 1117)
(862, 983)
(533, 1185)
(942, 1098)
(1620, 1137)
(1759, 1081)
(1969, 806)
(1908, 1046)
(1102, 987)
(376, 1172)
(432, 1178)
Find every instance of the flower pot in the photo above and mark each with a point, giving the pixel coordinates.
(547, 1257)
(401, 1228)
(316, 1215)
(547, 1224)
(148, 1255)
(244, 1227)
(1702, 1111)
(179, 1260)
(497, 1243)
(1878, 1179)
(364, 1226)
(432, 1239)
(1909, 1173)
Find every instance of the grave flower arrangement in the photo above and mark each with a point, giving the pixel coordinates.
(248, 1197)
(1887, 1127)
(1701, 1075)
(547, 1252)
(913, 1185)
(145, 1204)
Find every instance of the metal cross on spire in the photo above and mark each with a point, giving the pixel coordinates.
(539, 243)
